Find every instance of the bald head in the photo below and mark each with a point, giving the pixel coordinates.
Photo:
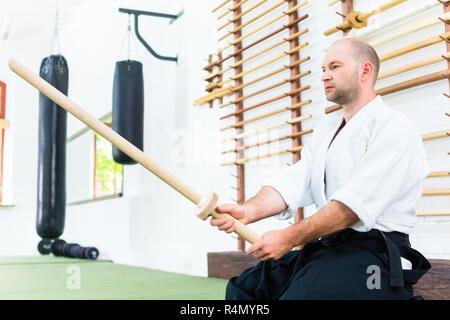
(350, 70)
(361, 52)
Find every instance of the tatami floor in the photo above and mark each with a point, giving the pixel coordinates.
(48, 277)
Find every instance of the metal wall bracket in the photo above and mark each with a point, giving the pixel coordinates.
(137, 13)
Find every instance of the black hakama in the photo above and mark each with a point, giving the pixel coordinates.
(340, 266)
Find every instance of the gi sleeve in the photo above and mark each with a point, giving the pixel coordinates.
(294, 184)
(393, 164)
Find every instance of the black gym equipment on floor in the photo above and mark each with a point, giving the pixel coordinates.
(61, 248)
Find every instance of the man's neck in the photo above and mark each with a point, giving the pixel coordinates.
(352, 108)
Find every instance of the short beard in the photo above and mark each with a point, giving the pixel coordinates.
(345, 96)
(350, 93)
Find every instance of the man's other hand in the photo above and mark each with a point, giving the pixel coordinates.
(273, 245)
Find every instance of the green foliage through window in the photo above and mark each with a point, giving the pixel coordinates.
(108, 173)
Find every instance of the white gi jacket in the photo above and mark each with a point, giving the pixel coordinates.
(375, 166)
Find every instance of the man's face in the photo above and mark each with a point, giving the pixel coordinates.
(340, 74)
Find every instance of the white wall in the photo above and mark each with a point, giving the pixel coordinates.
(152, 225)
(17, 227)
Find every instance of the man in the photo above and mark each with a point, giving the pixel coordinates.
(363, 171)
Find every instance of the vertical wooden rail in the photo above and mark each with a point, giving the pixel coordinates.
(239, 117)
(210, 60)
(2, 146)
(295, 56)
(447, 29)
(347, 7)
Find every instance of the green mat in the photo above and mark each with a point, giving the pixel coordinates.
(47, 277)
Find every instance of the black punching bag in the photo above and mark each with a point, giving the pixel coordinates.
(51, 202)
(128, 106)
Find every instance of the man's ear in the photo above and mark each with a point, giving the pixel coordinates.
(366, 71)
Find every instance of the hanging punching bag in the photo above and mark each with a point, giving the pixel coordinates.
(51, 202)
(128, 106)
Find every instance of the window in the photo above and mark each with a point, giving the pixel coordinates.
(91, 171)
(107, 173)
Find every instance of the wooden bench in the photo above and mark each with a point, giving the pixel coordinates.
(434, 285)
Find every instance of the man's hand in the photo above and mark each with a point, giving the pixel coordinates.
(266, 203)
(273, 245)
(239, 212)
